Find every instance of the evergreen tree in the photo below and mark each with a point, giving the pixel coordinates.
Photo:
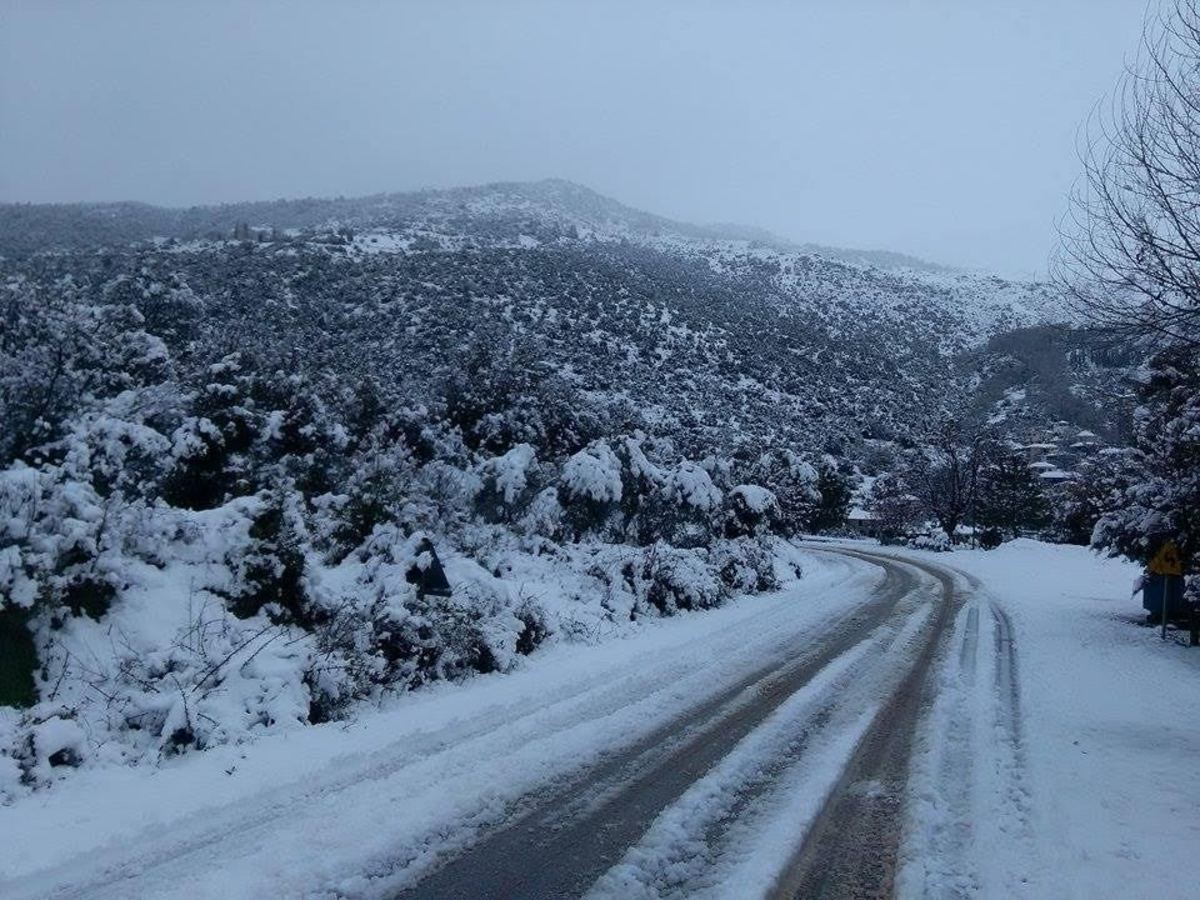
(836, 487)
(1010, 498)
(894, 505)
(1096, 491)
(1163, 501)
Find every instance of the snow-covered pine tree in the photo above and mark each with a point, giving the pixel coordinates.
(1163, 501)
(1009, 499)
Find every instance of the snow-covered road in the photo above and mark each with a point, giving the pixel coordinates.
(694, 718)
(865, 729)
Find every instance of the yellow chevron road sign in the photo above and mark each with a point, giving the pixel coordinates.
(1167, 561)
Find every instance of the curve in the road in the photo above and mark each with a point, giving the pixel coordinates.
(851, 849)
(573, 836)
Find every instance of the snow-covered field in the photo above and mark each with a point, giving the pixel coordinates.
(1098, 796)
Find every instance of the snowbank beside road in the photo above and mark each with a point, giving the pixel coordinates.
(1110, 726)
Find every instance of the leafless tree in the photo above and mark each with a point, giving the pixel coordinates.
(946, 477)
(1130, 250)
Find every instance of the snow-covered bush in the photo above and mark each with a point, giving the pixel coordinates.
(383, 633)
(376, 492)
(211, 446)
(268, 568)
(750, 510)
(544, 516)
(673, 579)
(590, 490)
(642, 485)
(658, 580)
(688, 508)
(219, 680)
(508, 484)
(745, 565)
(59, 352)
(794, 482)
(60, 543)
(936, 541)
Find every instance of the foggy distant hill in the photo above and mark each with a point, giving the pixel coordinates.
(28, 228)
(714, 334)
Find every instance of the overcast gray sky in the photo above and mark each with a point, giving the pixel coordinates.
(945, 129)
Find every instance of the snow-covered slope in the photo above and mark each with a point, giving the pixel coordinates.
(716, 331)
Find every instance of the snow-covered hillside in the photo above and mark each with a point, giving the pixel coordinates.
(716, 331)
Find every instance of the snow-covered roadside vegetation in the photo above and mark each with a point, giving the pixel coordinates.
(435, 765)
(200, 546)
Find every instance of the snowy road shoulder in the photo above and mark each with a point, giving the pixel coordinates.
(1110, 730)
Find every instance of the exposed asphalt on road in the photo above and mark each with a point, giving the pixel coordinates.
(569, 837)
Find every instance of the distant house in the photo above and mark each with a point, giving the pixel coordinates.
(1039, 451)
(863, 523)
(1053, 476)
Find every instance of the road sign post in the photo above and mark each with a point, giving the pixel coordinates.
(1166, 604)
(1167, 562)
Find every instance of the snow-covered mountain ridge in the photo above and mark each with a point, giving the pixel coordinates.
(709, 326)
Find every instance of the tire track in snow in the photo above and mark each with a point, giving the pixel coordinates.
(854, 847)
(968, 831)
(562, 848)
(782, 771)
(939, 834)
(1009, 758)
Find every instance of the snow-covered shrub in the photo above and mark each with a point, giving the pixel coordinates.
(301, 436)
(794, 482)
(590, 490)
(58, 741)
(502, 395)
(745, 565)
(508, 484)
(59, 352)
(375, 492)
(60, 543)
(641, 489)
(673, 579)
(219, 680)
(113, 448)
(936, 541)
(750, 511)
(544, 516)
(535, 626)
(268, 569)
(693, 506)
(210, 447)
(38, 748)
(386, 634)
